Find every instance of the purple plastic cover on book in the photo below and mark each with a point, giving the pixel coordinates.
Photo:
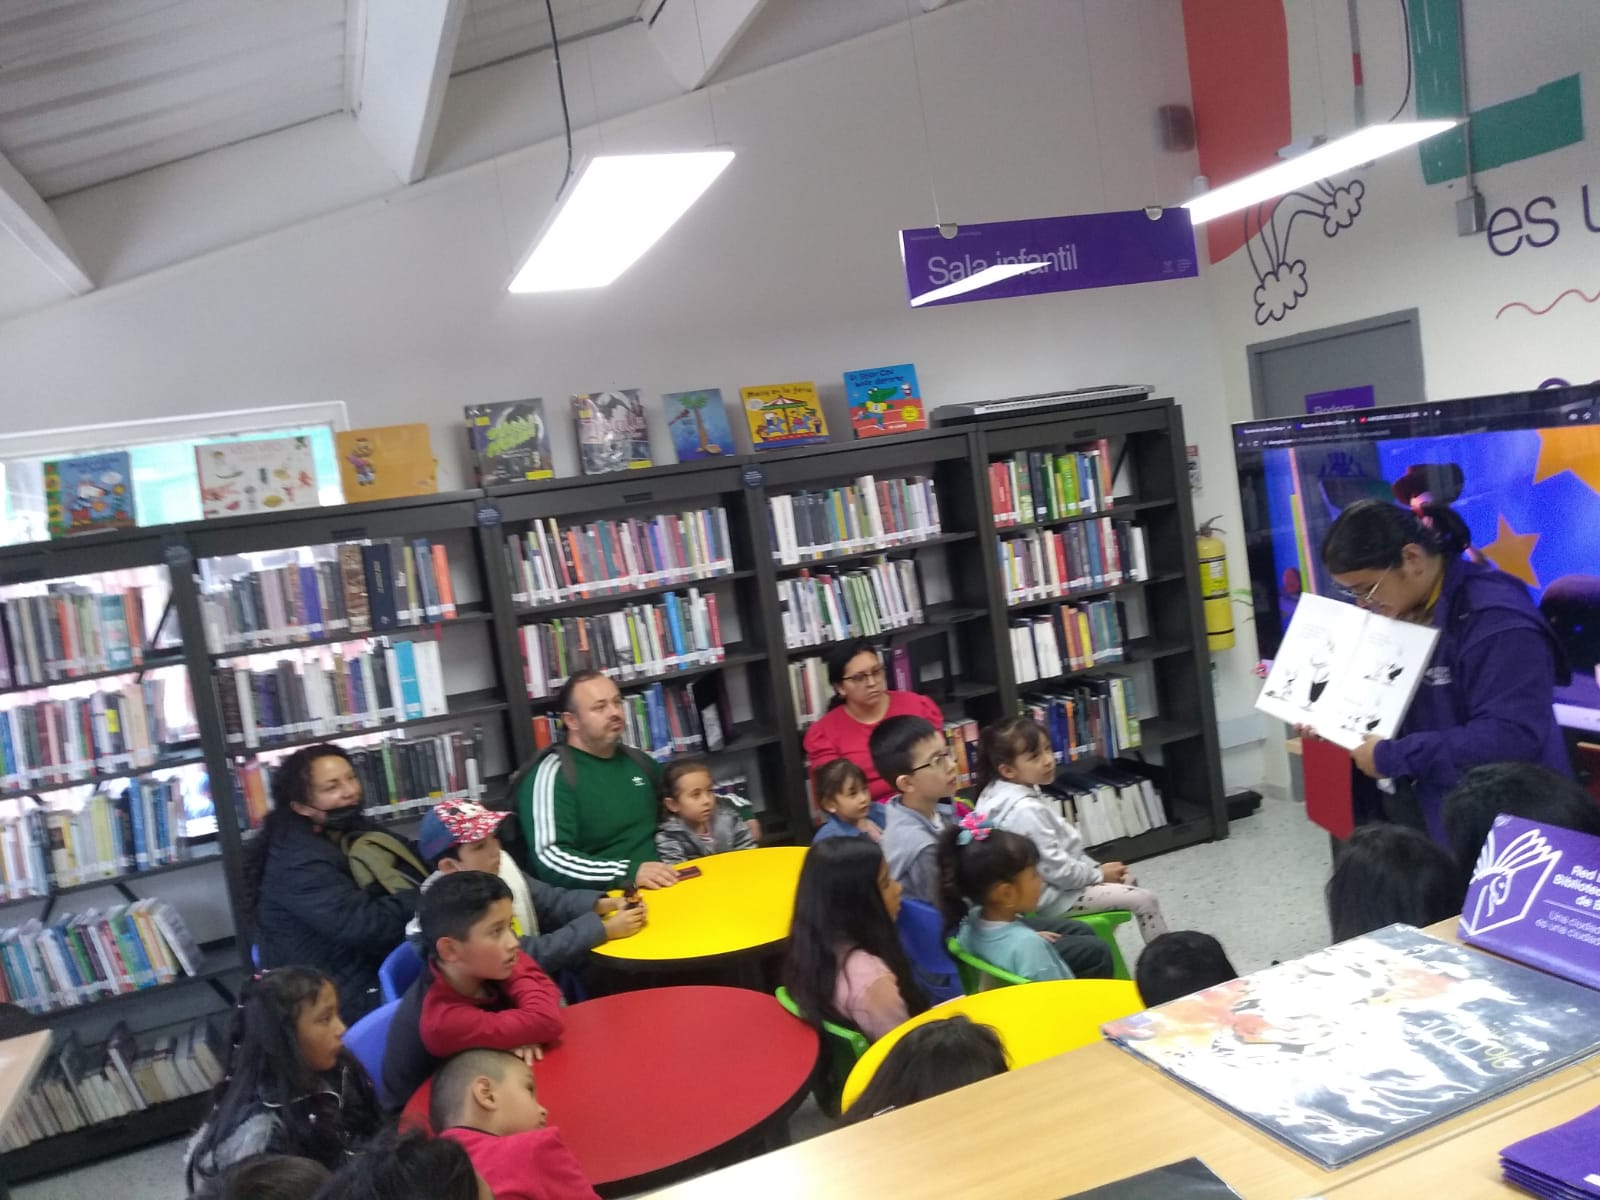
(1567, 1156)
(1535, 897)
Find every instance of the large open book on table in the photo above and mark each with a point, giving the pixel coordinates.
(1346, 672)
(1348, 1049)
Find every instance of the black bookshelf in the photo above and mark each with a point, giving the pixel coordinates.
(1178, 724)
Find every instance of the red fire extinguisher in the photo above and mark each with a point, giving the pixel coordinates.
(1214, 586)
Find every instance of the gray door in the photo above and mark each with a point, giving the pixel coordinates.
(1383, 353)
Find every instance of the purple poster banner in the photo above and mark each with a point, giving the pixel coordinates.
(1049, 254)
(1342, 399)
(1535, 897)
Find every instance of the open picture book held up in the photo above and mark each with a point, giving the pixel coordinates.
(1348, 1049)
(1346, 672)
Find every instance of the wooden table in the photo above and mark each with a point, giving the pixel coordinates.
(1035, 1021)
(20, 1058)
(1095, 1115)
(741, 903)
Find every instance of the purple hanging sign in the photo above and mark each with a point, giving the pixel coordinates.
(1535, 897)
(1342, 399)
(1049, 254)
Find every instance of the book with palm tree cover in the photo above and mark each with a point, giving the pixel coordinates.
(699, 424)
(784, 414)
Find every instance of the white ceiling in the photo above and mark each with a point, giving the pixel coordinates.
(136, 134)
(92, 90)
(495, 30)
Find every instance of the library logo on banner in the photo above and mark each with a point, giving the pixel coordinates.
(1047, 254)
(1510, 872)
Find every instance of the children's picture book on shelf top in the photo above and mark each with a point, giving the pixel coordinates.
(884, 400)
(1345, 671)
(1348, 1049)
(89, 493)
(611, 431)
(783, 414)
(698, 423)
(261, 475)
(510, 442)
(386, 462)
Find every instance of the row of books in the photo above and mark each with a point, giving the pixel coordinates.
(1109, 802)
(1044, 563)
(1096, 718)
(107, 835)
(333, 591)
(812, 693)
(678, 631)
(340, 689)
(79, 958)
(833, 606)
(61, 740)
(1067, 638)
(510, 440)
(963, 739)
(77, 1089)
(398, 775)
(69, 631)
(663, 720)
(869, 514)
(550, 564)
(1041, 485)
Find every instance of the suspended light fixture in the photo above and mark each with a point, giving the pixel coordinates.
(613, 209)
(1325, 159)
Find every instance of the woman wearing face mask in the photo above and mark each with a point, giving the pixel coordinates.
(322, 887)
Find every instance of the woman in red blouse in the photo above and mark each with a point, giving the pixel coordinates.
(862, 699)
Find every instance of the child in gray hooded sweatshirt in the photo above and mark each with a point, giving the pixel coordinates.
(1015, 762)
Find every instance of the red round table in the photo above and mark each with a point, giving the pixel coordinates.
(643, 1084)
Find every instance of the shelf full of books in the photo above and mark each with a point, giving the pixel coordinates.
(82, 1087)
(555, 563)
(1096, 569)
(400, 776)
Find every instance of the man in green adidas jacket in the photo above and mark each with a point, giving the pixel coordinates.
(588, 810)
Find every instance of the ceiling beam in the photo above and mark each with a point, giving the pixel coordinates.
(28, 218)
(694, 36)
(405, 66)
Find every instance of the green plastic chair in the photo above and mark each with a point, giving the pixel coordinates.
(978, 975)
(844, 1046)
(1105, 925)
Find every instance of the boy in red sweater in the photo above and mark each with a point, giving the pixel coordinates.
(479, 988)
(486, 1100)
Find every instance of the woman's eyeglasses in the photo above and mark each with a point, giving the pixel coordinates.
(1364, 599)
(861, 678)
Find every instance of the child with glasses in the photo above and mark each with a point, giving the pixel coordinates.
(912, 754)
(862, 700)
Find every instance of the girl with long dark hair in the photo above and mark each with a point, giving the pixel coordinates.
(291, 1087)
(1488, 691)
(322, 887)
(845, 963)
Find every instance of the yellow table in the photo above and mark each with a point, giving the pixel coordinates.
(1035, 1021)
(743, 901)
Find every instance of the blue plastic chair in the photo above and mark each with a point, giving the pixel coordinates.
(367, 1038)
(921, 931)
(398, 971)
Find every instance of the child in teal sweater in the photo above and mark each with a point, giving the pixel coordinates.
(988, 878)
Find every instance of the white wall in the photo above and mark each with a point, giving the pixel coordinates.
(789, 268)
(1402, 250)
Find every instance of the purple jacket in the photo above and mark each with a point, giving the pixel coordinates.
(1486, 696)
